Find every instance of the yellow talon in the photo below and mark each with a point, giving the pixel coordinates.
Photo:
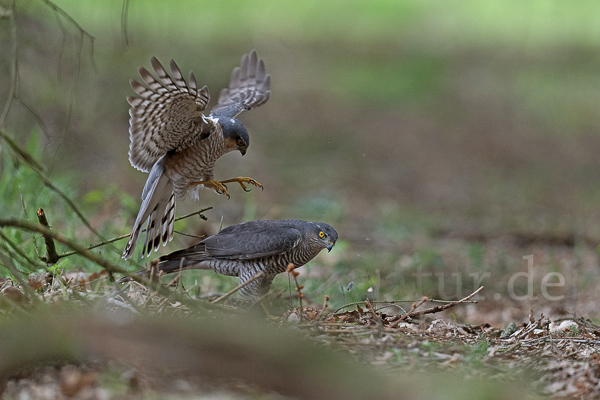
(242, 180)
(217, 186)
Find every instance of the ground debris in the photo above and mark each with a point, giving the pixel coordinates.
(560, 357)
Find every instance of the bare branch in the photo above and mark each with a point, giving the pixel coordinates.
(105, 264)
(16, 249)
(392, 302)
(24, 155)
(52, 256)
(37, 169)
(432, 310)
(115, 239)
(65, 15)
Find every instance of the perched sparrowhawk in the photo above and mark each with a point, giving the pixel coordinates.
(171, 138)
(245, 249)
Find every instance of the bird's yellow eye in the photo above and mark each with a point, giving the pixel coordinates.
(240, 142)
(321, 234)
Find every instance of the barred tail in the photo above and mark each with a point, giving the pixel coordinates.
(158, 209)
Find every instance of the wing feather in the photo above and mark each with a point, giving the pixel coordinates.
(249, 87)
(165, 115)
(254, 239)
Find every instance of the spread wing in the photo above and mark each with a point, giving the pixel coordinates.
(251, 240)
(249, 87)
(165, 115)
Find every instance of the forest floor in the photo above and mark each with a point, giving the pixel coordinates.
(550, 352)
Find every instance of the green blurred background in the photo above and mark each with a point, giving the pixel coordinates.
(388, 119)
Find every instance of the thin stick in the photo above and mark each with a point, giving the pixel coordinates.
(105, 242)
(62, 12)
(446, 306)
(409, 313)
(13, 93)
(189, 235)
(391, 302)
(35, 167)
(19, 252)
(235, 289)
(52, 256)
(115, 239)
(199, 213)
(108, 266)
(291, 270)
(432, 310)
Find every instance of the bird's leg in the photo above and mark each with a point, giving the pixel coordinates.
(242, 180)
(217, 186)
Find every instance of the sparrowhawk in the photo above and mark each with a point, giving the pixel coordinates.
(171, 138)
(245, 249)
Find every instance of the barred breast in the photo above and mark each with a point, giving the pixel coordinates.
(194, 164)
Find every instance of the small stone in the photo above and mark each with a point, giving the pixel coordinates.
(293, 317)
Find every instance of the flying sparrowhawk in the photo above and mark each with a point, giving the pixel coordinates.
(245, 249)
(179, 145)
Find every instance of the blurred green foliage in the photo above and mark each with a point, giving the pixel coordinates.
(23, 193)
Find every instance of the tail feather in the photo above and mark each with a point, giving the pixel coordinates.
(190, 258)
(158, 209)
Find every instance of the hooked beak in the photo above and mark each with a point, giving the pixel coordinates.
(329, 247)
(243, 151)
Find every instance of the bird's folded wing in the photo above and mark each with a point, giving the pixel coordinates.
(244, 244)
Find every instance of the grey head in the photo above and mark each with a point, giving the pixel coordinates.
(235, 134)
(322, 234)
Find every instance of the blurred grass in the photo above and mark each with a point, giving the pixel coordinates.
(23, 193)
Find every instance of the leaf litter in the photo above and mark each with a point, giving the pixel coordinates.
(556, 357)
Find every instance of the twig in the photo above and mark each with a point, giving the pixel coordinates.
(52, 256)
(235, 289)
(19, 252)
(325, 305)
(34, 114)
(190, 235)
(29, 160)
(95, 245)
(115, 239)
(35, 167)
(391, 302)
(26, 216)
(375, 317)
(432, 310)
(511, 348)
(62, 12)
(291, 270)
(71, 97)
(409, 313)
(108, 266)
(199, 213)
(13, 93)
